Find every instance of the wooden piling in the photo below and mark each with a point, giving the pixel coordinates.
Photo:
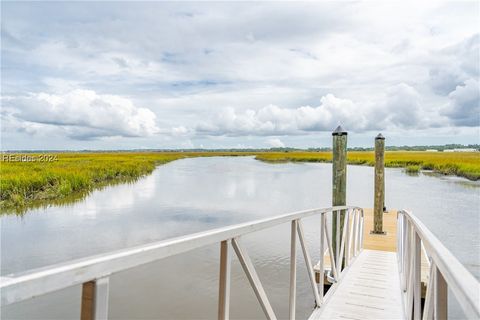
(379, 196)
(87, 311)
(339, 180)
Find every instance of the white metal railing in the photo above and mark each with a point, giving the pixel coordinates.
(93, 273)
(445, 273)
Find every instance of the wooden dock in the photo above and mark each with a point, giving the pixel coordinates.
(387, 243)
(370, 290)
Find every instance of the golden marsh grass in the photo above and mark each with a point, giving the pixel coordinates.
(23, 184)
(26, 184)
(463, 164)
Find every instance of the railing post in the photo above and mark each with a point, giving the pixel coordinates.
(87, 308)
(440, 296)
(350, 234)
(417, 282)
(293, 269)
(379, 198)
(355, 233)
(405, 251)
(95, 300)
(362, 226)
(401, 247)
(339, 182)
(323, 222)
(224, 281)
(410, 273)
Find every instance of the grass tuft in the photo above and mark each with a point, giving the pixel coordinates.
(462, 164)
(412, 169)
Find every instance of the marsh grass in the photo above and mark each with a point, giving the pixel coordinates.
(412, 169)
(24, 185)
(463, 164)
(32, 184)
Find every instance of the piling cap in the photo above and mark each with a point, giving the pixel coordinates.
(379, 137)
(339, 132)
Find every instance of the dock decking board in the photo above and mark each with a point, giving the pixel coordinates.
(386, 242)
(364, 293)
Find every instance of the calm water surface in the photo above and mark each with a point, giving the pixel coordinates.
(191, 195)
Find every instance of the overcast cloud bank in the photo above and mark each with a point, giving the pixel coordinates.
(154, 75)
(81, 114)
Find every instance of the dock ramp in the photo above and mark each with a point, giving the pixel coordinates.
(369, 290)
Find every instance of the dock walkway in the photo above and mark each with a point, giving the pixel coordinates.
(370, 289)
(387, 242)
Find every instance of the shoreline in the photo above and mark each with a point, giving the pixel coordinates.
(469, 171)
(32, 185)
(407, 169)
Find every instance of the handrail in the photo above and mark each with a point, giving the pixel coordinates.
(446, 272)
(93, 272)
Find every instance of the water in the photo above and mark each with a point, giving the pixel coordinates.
(191, 195)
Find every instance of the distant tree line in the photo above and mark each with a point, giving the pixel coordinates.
(285, 149)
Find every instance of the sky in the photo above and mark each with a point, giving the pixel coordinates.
(134, 75)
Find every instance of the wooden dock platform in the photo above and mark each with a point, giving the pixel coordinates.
(370, 290)
(387, 243)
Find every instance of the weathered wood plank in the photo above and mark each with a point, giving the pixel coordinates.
(365, 292)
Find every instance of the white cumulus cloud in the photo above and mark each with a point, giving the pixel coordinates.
(400, 107)
(273, 120)
(275, 143)
(464, 104)
(82, 114)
